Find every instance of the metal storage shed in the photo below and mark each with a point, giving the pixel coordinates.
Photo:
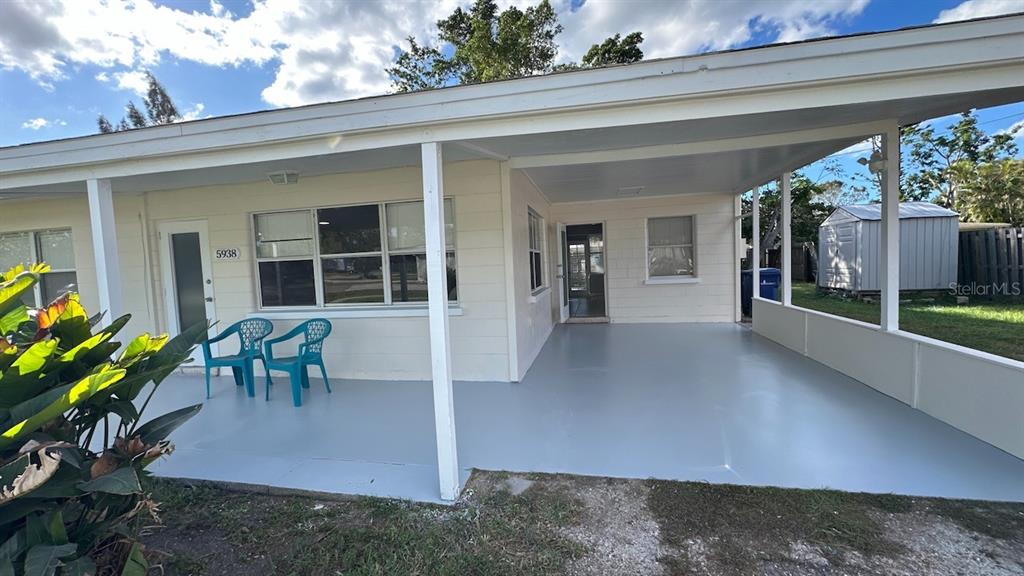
(849, 240)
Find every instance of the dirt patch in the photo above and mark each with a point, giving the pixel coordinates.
(619, 534)
(719, 530)
(546, 525)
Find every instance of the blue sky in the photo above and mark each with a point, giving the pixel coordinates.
(61, 66)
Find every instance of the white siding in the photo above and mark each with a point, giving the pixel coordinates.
(536, 314)
(713, 299)
(73, 213)
(379, 348)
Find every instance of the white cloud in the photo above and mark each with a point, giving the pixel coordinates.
(194, 113)
(1017, 129)
(336, 50)
(979, 9)
(134, 80)
(40, 123)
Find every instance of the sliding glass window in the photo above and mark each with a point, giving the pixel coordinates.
(354, 250)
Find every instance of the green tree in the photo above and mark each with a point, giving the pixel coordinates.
(809, 206)
(488, 44)
(991, 192)
(135, 116)
(932, 158)
(615, 50)
(160, 109)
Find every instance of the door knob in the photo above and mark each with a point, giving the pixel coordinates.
(209, 298)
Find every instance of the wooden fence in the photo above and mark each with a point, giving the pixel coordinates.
(991, 262)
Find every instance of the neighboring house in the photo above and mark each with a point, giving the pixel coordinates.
(319, 211)
(849, 239)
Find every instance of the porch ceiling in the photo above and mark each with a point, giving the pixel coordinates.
(362, 160)
(721, 172)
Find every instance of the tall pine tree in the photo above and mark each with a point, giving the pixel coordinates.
(160, 109)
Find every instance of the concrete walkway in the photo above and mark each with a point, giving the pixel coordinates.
(674, 401)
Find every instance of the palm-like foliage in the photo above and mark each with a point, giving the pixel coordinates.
(72, 445)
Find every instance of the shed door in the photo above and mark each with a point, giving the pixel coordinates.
(840, 256)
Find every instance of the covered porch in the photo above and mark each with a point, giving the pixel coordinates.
(619, 146)
(702, 402)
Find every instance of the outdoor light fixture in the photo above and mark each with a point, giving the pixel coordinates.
(875, 163)
(283, 177)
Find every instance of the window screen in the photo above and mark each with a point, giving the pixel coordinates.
(670, 247)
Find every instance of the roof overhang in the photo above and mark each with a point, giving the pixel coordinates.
(903, 76)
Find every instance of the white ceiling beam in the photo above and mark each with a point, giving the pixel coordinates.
(701, 147)
(481, 150)
(791, 164)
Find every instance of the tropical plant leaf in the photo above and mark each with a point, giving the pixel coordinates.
(141, 347)
(55, 526)
(25, 409)
(82, 566)
(43, 559)
(14, 546)
(136, 565)
(122, 481)
(71, 325)
(78, 393)
(22, 379)
(118, 323)
(30, 477)
(123, 408)
(7, 356)
(161, 427)
(83, 348)
(182, 344)
(13, 318)
(11, 291)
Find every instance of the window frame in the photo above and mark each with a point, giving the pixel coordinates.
(532, 214)
(318, 257)
(678, 278)
(36, 253)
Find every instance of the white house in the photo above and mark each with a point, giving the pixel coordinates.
(431, 229)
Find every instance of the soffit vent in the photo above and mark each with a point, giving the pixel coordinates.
(283, 177)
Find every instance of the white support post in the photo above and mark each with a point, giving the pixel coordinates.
(787, 236)
(104, 244)
(440, 343)
(890, 249)
(755, 244)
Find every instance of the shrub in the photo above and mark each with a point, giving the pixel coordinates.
(72, 445)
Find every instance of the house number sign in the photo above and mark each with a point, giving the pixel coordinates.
(227, 254)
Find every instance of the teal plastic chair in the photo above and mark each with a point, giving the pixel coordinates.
(310, 353)
(251, 333)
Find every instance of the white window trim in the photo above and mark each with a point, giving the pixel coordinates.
(320, 307)
(679, 279)
(401, 310)
(36, 257)
(542, 250)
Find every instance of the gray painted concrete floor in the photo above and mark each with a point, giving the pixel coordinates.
(710, 402)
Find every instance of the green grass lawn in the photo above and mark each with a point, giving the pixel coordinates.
(552, 525)
(996, 327)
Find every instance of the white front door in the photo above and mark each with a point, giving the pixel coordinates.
(187, 277)
(563, 276)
